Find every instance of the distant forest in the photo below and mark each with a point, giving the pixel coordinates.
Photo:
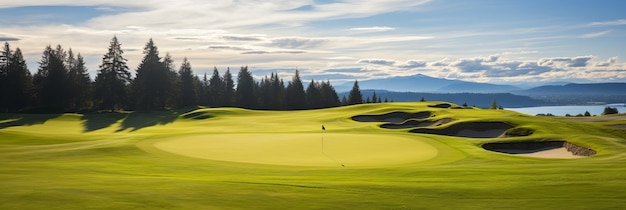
(62, 84)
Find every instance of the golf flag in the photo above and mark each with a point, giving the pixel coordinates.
(323, 128)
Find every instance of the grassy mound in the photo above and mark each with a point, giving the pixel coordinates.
(230, 158)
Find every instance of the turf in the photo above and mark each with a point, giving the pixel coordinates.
(228, 158)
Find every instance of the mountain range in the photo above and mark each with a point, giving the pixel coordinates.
(427, 84)
(413, 88)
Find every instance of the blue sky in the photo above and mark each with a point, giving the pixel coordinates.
(512, 42)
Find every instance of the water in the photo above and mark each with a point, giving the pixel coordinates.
(572, 110)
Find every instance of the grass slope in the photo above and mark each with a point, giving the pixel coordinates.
(118, 161)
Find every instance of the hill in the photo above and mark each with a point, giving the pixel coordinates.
(423, 83)
(471, 99)
(577, 89)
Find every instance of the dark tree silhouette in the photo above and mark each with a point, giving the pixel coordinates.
(245, 89)
(51, 80)
(314, 96)
(153, 86)
(188, 95)
(79, 82)
(216, 89)
(329, 95)
(295, 97)
(112, 79)
(228, 91)
(355, 96)
(15, 80)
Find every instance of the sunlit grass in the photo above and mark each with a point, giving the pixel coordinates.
(275, 160)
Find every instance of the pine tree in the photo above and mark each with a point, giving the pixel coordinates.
(15, 80)
(245, 89)
(422, 99)
(314, 96)
(494, 104)
(154, 84)
(355, 96)
(112, 78)
(51, 80)
(374, 98)
(228, 89)
(188, 95)
(329, 95)
(215, 89)
(344, 101)
(295, 97)
(79, 82)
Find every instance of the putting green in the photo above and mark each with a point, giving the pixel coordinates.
(307, 149)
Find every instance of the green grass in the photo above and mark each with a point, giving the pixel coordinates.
(273, 160)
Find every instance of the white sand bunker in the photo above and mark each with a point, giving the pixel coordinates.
(544, 149)
(392, 117)
(309, 149)
(469, 129)
(416, 123)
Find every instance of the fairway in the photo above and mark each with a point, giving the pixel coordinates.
(309, 149)
(369, 156)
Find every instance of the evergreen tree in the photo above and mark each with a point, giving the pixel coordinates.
(154, 86)
(203, 91)
(355, 96)
(112, 78)
(422, 100)
(188, 94)
(295, 97)
(367, 101)
(587, 114)
(610, 110)
(314, 96)
(215, 89)
(277, 93)
(329, 95)
(494, 104)
(228, 90)
(344, 101)
(51, 80)
(374, 98)
(79, 82)
(245, 89)
(15, 80)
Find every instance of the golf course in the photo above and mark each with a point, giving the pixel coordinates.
(408, 155)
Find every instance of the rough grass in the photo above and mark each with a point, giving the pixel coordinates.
(110, 161)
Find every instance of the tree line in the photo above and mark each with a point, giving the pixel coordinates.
(62, 84)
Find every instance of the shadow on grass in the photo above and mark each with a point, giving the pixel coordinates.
(10, 120)
(138, 120)
(99, 120)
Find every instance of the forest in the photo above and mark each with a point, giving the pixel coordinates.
(62, 84)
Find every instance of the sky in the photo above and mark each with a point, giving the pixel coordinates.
(503, 42)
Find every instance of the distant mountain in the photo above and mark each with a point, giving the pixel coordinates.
(423, 83)
(506, 100)
(577, 89)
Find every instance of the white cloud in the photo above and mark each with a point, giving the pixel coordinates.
(383, 62)
(372, 29)
(609, 23)
(596, 34)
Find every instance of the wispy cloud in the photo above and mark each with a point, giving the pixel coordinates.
(596, 34)
(372, 29)
(609, 23)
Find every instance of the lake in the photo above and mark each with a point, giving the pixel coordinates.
(572, 110)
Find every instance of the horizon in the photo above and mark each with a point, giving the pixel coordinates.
(341, 41)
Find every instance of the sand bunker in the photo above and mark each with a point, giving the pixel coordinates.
(469, 129)
(392, 117)
(543, 149)
(351, 150)
(416, 123)
(443, 106)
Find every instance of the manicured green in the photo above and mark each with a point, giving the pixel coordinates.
(229, 158)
